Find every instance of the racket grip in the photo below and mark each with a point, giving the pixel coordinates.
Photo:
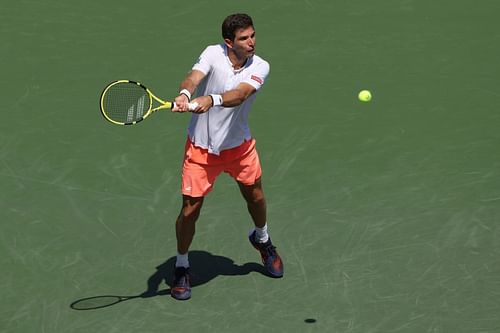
(191, 106)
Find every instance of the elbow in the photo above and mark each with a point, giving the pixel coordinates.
(240, 100)
(235, 100)
(242, 96)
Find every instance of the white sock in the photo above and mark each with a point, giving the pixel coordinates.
(261, 235)
(182, 260)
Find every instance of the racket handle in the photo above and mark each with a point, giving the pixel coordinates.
(191, 106)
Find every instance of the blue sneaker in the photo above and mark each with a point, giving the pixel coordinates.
(181, 288)
(270, 257)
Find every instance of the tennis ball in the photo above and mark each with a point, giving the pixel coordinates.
(365, 95)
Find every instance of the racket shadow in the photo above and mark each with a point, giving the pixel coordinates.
(205, 267)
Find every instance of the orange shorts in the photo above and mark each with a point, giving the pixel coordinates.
(200, 169)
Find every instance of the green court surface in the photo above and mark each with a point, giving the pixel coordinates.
(386, 213)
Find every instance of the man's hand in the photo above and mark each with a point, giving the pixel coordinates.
(204, 104)
(181, 104)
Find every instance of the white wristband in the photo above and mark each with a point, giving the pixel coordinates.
(216, 99)
(185, 92)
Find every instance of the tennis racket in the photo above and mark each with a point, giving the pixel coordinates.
(126, 102)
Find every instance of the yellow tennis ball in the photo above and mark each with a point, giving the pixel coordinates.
(365, 95)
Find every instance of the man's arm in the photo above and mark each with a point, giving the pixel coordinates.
(230, 98)
(190, 83)
(238, 95)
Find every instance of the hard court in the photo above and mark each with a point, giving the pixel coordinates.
(386, 213)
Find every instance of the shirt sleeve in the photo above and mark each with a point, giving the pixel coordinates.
(257, 75)
(204, 61)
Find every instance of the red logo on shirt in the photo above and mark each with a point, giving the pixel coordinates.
(256, 78)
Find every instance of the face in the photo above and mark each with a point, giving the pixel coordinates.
(244, 43)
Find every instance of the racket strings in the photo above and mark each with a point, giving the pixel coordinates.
(126, 102)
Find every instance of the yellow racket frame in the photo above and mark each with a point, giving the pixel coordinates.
(164, 104)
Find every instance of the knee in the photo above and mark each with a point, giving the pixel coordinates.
(189, 214)
(257, 198)
(190, 210)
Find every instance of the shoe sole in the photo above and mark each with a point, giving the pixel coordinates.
(182, 297)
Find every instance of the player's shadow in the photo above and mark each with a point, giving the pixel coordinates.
(204, 268)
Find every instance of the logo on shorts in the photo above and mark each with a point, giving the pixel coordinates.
(256, 78)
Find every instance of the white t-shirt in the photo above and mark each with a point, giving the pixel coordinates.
(221, 127)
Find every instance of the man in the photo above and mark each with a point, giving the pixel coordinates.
(226, 78)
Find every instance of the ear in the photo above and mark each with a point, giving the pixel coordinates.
(228, 42)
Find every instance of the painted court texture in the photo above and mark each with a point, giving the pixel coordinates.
(386, 213)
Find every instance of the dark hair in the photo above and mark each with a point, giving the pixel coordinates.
(234, 22)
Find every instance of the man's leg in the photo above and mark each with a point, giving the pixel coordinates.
(185, 224)
(256, 203)
(185, 229)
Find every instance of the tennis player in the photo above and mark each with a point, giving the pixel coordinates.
(226, 78)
